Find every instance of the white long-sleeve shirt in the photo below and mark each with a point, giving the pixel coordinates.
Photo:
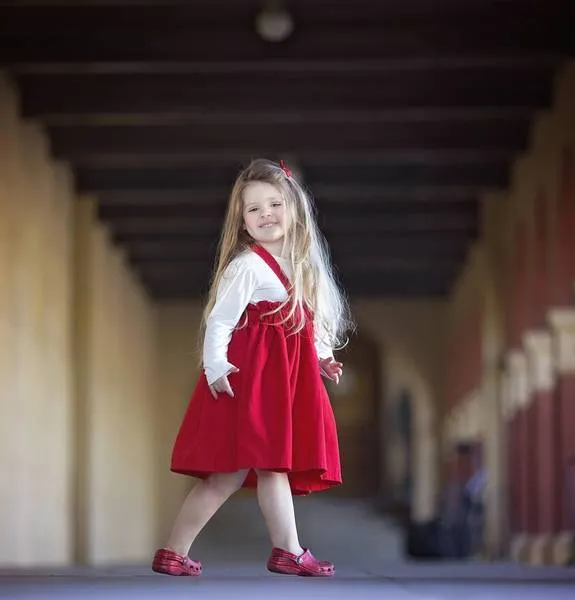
(247, 280)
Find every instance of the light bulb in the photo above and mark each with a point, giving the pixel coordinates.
(274, 25)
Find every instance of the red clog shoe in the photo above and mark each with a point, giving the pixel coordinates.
(169, 562)
(305, 565)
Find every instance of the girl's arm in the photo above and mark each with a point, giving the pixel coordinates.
(234, 294)
(328, 366)
(323, 349)
(321, 342)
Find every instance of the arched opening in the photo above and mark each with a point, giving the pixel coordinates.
(411, 434)
(412, 454)
(402, 411)
(356, 406)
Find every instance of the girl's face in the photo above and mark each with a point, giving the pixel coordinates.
(265, 215)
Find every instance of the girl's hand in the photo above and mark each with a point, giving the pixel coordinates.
(222, 385)
(330, 368)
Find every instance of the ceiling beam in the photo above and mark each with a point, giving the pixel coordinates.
(180, 15)
(489, 174)
(358, 89)
(400, 286)
(226, 31)
(431, 246)
(225, 141)
(309, 156)
(372, 266)
(326, 210)
(322, 193)
(357, 225)
(209, 118)
(332, 65)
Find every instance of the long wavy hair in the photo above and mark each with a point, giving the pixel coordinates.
(314, 285)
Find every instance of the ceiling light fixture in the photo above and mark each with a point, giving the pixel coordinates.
(274, 23)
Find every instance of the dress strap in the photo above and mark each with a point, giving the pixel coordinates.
(273, 265)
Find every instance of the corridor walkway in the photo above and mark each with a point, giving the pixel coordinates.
(365, 548)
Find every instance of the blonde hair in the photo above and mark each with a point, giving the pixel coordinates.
(314, 285)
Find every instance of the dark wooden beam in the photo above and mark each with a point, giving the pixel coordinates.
(322, 193)
(241, 136)
(400, 286)
(305, 158)
(96, 180)
(326, 210)
(374, 43)
(356, 225)
(369, 265)
(225, 31)
(491, 173)
(295, 116)
(383, 277)
(356, 87)
(59, 16)
(423, 245)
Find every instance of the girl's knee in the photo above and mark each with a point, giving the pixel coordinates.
(226, 483)
(270, 475)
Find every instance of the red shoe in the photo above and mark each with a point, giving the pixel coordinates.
(305, 565)
(169, 562)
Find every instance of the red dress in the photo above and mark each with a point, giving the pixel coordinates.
(280, 418)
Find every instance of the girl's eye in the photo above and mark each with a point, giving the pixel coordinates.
(252, 210)
(277, 204)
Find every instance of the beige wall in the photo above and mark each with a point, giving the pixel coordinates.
(78, 370)
(35, 370)
(178, 362)
(115, 351)
(410, 335)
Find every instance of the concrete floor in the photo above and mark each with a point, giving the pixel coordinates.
(234, 547)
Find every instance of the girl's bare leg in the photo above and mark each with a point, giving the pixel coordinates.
(199, 507)
(276, 503)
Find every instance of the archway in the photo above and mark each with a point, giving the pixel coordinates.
(356, 404)
(401, 426)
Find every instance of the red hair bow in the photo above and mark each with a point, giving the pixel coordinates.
(285, 169)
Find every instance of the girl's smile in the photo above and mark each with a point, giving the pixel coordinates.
(265, 215)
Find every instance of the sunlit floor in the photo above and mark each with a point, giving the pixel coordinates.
(365, 548)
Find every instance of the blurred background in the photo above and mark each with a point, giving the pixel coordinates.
(437, 139)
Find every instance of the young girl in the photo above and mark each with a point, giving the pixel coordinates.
(260, 415)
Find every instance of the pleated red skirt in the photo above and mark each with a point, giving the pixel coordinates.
(280, 418)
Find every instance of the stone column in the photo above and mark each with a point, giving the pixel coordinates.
(493, 452)
(518, 476)
(562, 322)
(494, 387)
(544, 436)
(507, 413)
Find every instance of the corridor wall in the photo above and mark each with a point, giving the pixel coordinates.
(36, 399)
(116, 425)
(77, 369)
(178, 362)
(524, 358)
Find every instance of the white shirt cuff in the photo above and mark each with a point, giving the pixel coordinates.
(217, 370)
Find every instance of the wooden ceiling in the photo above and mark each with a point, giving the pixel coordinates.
(398, 114)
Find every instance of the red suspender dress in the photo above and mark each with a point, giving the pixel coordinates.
(280, 418)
